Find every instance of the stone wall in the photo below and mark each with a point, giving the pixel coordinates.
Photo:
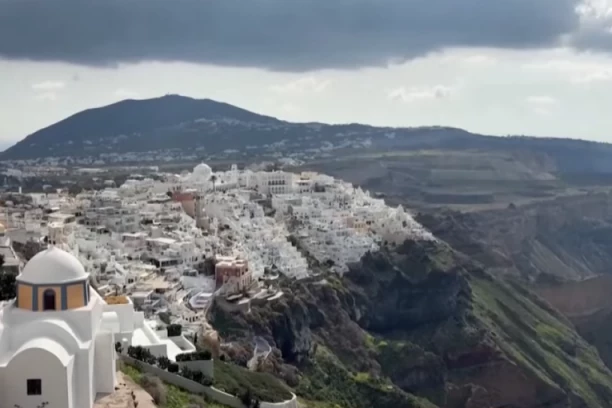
(195, 388)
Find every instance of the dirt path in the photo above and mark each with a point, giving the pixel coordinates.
(122, 397)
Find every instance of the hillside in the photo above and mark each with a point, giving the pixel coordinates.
(421, 325)
(205, 127)
(566, 238)
(129, 123)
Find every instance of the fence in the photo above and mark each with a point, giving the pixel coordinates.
(195, 388)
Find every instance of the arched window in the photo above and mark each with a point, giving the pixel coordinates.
(49, 299)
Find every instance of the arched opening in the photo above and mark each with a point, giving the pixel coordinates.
(49, 299)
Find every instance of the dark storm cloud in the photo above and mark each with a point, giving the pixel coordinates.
(292, 35)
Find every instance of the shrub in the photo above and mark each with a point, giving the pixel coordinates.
(142, 354)
(246, 397)
(155, 387)
(163, 362)
(174, 330)
(196, 376)
(173, 368)
(249, 400)
(195, 356)
(186, 372)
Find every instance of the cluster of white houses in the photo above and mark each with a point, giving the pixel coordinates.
(166, 248)
(150, 235)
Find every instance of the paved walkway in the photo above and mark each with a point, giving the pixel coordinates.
(122, 397)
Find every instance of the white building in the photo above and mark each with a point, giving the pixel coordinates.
(54, 346)
(57, 339)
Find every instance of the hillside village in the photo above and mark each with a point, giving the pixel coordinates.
(158, 253)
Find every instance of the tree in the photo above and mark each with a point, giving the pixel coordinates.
(163, 362)
(213, 179)
(174, 330)
(8, 284)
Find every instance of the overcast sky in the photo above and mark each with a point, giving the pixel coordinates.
(535, 67)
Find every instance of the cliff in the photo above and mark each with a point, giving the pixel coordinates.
(421, 325)
(567, 238)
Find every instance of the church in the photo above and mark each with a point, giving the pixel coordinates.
(57, 338)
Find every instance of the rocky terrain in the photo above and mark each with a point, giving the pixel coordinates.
(422, 325)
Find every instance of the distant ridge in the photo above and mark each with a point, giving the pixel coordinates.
(207, 128)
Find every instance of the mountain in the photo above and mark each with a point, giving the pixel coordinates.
(127, 123)
(207, 127)
(420, 325)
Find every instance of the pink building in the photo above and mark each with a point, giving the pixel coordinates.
(234, 273)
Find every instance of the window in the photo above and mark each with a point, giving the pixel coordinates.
(49, 299)
(34, 387)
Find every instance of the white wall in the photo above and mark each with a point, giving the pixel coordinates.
(104, 363)
(36, 364)
(125, 314)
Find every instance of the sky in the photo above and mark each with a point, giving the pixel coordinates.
(532, 67)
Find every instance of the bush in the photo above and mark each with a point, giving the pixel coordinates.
(155, 387)
(195, 356)
(174, 330)
(163, 362)
(142, 354)
(186, 372)
(173, 368)
(249, 400)
(196, 376)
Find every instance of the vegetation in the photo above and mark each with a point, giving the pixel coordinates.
(238, 381)
(195, 356)
(541, 343)
(326, 379)
(155, 387)
(174, 330)
(8, 284)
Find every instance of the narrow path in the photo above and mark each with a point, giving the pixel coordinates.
(261, 351)
(122, 397)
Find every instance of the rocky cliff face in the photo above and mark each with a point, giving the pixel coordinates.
(419, 319)
(563, 239)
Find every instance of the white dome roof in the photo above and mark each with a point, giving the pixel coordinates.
(202, 171)
(53, 266)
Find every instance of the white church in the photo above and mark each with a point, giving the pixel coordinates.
(57, 337)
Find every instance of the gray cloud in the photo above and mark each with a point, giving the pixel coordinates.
(287, 35)
(595, 31)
